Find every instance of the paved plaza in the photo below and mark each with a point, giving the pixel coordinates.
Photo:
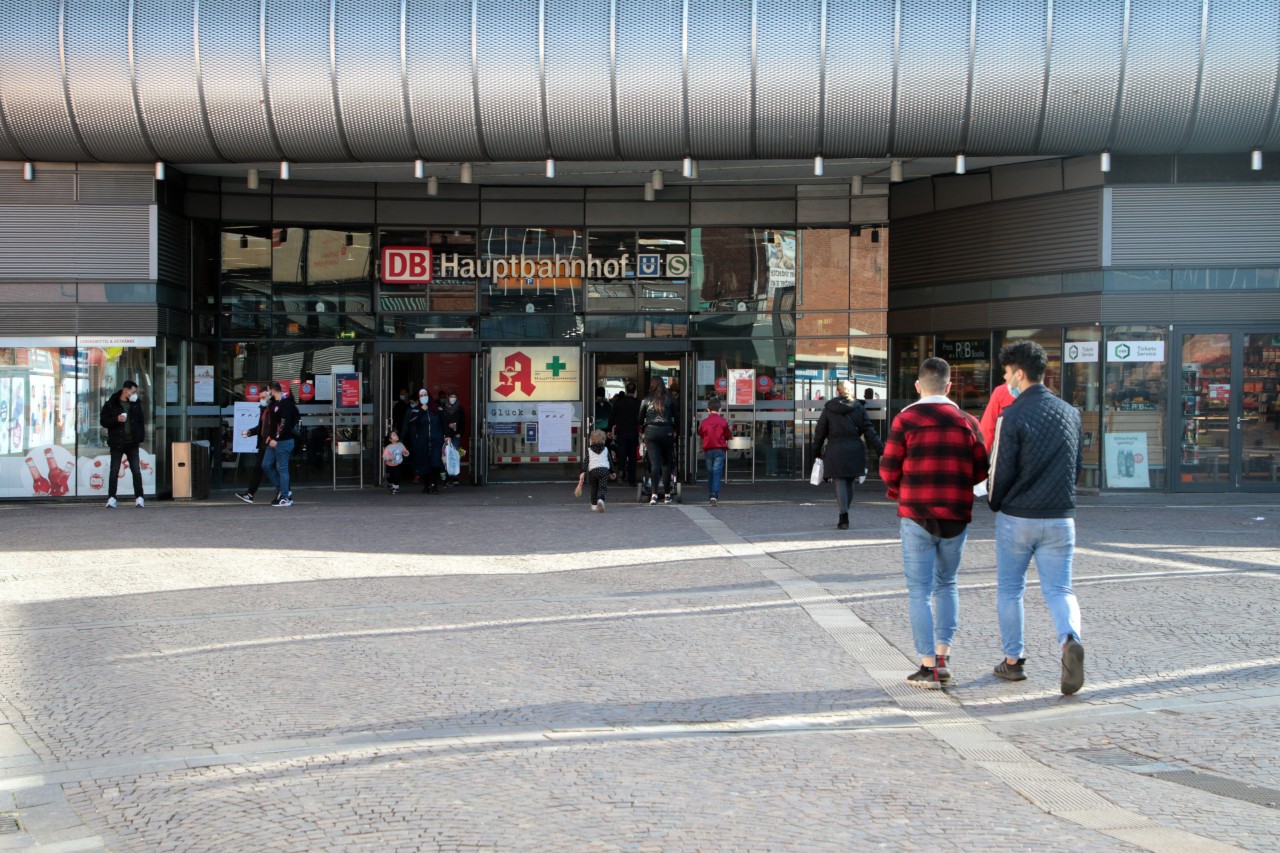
(500, 669)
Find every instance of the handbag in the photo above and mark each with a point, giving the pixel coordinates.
(452, 461)
(815, 473)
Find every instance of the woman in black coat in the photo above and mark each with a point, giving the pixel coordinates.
(842, 427)
(423, 435)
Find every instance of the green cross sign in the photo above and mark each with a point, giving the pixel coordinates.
(555, 365)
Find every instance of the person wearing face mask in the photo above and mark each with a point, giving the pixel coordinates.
(282, 424)
(424, 437)
(122, 418)
(452, 420)
(262, 431)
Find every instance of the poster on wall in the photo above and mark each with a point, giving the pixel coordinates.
(555, 434)
(781, 259)
(517, 374)
(202, 383)
(245, 417)
(1126, 460)
(92, 473)
(17, 430)
(742, 387)
(42, 407)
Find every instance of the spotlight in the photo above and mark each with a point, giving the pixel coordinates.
(433, 185)
(419, 169)
(959, 164)
(855, 231)
(1255, 160)
(818, 166)
(895, 171)
(351, 239)
(693, 170)
(159, 170)
(875, 235)
(284, 235)
(649, 194)
(686, 167)
(251, 179)
(1104, 161)
(551, 167)
(284, 170)
(244, 241)
(464, 174)
(655, 178)
(28, 171)
(857, 185)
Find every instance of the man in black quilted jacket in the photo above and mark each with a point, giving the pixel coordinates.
(1035, 462)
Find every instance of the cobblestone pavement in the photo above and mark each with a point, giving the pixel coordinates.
(499, 669)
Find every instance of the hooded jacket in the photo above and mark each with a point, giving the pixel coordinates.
(842, 427)
(132, 431)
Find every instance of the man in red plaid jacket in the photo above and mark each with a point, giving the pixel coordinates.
(931, 462)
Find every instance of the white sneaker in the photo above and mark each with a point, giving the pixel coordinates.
(653, 500)
(111, 503)
(139, 503)
(593, 507)
(714, 501)
(601, 503)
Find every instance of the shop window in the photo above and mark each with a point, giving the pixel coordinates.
(1135, 388)
(908, 354)
(827, 256)
(1082, 388)
(743, 269)
(100, 372)
(971, 361)
(531, 271)
(1267, 278)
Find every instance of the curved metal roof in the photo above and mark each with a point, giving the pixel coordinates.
(192, 81)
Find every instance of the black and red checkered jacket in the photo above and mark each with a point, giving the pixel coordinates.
(932, 460)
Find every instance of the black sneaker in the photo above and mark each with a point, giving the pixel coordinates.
(926, 676)
(944, 672)
(245, 496)
(1072, 666)
(1011, 671)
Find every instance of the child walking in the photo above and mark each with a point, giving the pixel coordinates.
(394, 455)
(598, 465)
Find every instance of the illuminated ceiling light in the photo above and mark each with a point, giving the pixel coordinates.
(251, 179)
(419, 169)
(649, 194)
(28, 171)
(895, 171)
(464, 174)
(1255, 160)
(159, 170)
(284, 170)
(960, 164)
(655, 178)
(818, 166)
(856, 188)
(686, 167)
(1104, 162)
(433, 185)
(551, 167)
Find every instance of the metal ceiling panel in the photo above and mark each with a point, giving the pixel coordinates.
(372, 98)
(32, 86)
(861, 56)
(789, 46)
(721, 90)
(440, 73)
(650, 71)
(300, 81)
(509, 79)
(933, 78)
(1235, 101)
(100, 79)
(1161, 73)
(1008, 76)
(231, 69)
(167, 82)
(1085, 67)
(578, 69)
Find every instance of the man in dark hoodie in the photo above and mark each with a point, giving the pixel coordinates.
(843, 427)
(122, 418)
(282, 426)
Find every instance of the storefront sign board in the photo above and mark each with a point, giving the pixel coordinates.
(520, 374)
(1080, 352)
(1134, 351)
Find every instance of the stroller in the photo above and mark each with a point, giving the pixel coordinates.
(645, 488)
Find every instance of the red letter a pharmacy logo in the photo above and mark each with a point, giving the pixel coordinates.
(518, 370)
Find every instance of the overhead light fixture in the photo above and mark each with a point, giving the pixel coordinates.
(855, 231)
(1255, 160)
(433, 185)
(351, 239)
(251, 179)
(419, 169)
(857, 185)
(464, 174)
(649, 194)
(959, 164)
(28, 171)
(282, 235)
(895, 171)
(1104, 161)
(693, 172)
(655, 178)
(818, 166)
(686, 167)
(159, 170)
(551, 167)
(875, 235)
(284, 170)
(244, 241)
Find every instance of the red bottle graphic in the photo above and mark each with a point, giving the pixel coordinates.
(96, 481)
(38, 481)
(124, 467)
(59, 479)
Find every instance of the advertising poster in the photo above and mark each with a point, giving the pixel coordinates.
(202, 384)
(518, 374)
(742, 387)
(1126, 460)
(43, 405)
(348, 390)
(245, 417)
(92, 474)
(67, 411)
(555, 433)
(4, 415)
(17, 432)
(781, 259)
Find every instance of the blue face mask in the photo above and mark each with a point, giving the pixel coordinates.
(1013, 390)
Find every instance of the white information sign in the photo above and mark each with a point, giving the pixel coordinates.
(246, 417)
(555, 421)
(1126, 461)
(324, 386)
(202, 386)
(706, 372)
(1135, 351)
(170, 384)
(1080, 352)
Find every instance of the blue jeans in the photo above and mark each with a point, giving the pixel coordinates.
(930, 564)
(1052, 541)
(715, 471)
(276, 463)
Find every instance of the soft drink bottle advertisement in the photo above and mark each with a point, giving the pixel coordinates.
(17, 415)
(52, 471)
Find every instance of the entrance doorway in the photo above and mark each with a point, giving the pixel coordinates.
(1228, 412)
(441, 373)
(612, 371)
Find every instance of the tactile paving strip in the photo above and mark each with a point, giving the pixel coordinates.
(943, 718)
(1211, 783)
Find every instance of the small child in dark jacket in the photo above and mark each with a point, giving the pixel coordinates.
(600, 464)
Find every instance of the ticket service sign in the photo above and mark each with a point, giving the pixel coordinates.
(517, 374)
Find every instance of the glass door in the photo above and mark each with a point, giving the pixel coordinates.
(1228, 412)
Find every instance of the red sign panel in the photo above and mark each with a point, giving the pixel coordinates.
(348, 391)
(406, 265)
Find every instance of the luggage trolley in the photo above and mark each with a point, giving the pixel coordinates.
(644, 488)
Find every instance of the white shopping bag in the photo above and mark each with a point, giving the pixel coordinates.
(815, 474)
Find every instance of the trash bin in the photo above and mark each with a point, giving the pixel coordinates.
(190, 462)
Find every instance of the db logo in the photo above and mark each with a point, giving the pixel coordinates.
(406, 265)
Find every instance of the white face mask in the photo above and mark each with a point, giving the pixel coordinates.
(452, 400)
(263, 402)
(133, 398)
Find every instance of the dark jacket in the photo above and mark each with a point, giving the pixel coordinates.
(263, 429)
(455, 416)
(283, 423)
(1037, 458)
(423, 435)
(132, 431)
(626, 414)
(658, 425)
(843, 426)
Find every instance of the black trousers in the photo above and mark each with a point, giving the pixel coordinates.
(628, 443)
(255, 476)
(661, 450)
(599, 478)
(130, 452)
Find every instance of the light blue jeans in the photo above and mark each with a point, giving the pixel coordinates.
(930, 564)
(276, 463)
(1052, 541)
(715, 471)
